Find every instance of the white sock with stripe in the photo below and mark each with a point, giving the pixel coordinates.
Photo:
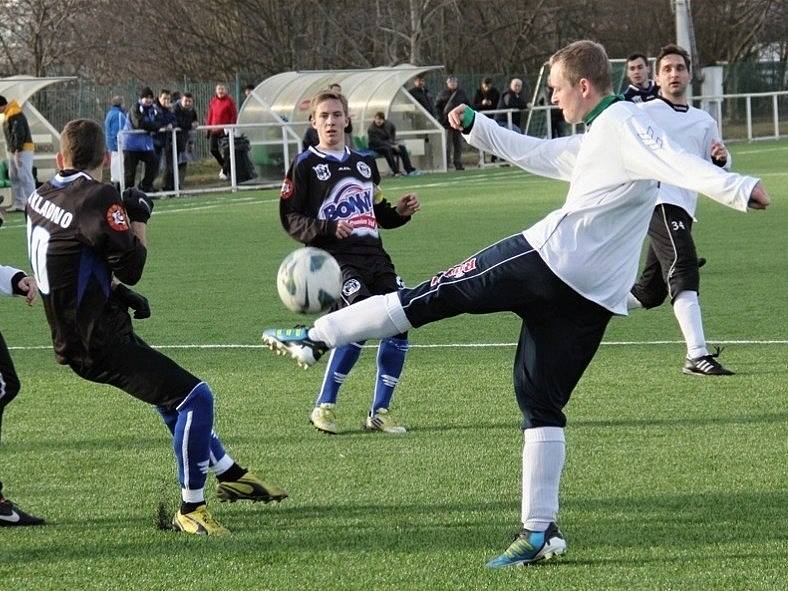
(377, 317)
(687, 311)
(544, 450)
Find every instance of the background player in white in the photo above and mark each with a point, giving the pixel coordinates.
(565, 276)
(672, 263)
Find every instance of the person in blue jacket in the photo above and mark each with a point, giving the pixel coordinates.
(142, 122)
(113, 123)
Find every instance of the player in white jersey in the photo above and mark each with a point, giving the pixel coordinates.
(671, 267)
(565, 276)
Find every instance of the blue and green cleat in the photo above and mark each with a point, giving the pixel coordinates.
(531, 546)
(296, 343)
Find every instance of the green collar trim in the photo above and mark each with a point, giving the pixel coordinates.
(601, 106)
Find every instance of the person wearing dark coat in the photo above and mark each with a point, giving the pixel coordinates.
(449, 98)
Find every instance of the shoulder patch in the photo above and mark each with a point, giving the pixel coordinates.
(287, 189)
(117, 218)
(364, 169)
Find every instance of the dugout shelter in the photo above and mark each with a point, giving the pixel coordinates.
(279, 106)
(45, 137)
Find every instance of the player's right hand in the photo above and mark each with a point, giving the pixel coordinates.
(759, 198)
(344, 229)
(455, 116)
(138, 205)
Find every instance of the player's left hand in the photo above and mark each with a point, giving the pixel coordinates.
(138, 205)
(27, 285)
(719, 152)
(133, 300)
(408, 205)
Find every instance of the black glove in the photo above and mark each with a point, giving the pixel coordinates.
(133, 300)
(138, 205)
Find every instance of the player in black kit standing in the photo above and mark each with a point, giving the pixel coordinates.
(331, 200)
(84, 242)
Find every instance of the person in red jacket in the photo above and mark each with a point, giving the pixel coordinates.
(221, 111)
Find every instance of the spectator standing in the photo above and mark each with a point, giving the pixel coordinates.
(162, 141)
(311, 137)
(221, 111)
(486, 97)
(420, 92)
(248, 89)
(449, 98)
(382, 137)
(514, 98)
(186, 121)
(142, 122)
(20, 147)
(113, 123)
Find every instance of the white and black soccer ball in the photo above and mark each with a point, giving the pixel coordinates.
(309, 280)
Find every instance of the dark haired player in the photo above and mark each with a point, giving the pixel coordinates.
(331, 200)
(641, 88)
(84, 241)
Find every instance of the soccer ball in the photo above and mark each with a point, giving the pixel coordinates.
(309, 280)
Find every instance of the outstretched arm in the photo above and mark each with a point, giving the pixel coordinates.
(549, 158)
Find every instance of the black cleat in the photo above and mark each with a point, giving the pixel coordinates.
(701, 262)
(13, 516)
(706, 365)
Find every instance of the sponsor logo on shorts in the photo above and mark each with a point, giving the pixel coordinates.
(350, 287)
(322, 172)
(287, 189)
(364, 169)
(117, 219)
(455, 272)
(400, 283)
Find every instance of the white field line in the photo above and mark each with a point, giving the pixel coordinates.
(777, 149)
(439, 345)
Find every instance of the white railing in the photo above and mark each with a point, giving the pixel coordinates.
(289, 137)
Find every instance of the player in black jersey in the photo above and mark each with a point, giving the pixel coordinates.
(84, 240)
(331, 199)
(641, 88)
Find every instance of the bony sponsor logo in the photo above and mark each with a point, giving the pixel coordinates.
(364, 169)
(322, 172)
(455, 272)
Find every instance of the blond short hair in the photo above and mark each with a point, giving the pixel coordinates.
(328, 95)
(585, 59)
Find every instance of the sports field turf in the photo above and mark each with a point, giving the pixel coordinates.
(671, 482)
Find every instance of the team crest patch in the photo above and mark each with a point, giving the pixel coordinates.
(117, 218)
(364, 169)
(322, 172)
(350, 287)
(287, 189)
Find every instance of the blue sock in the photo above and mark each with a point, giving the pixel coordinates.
(220, 460)
(192, 440)
(340, 362)
(391, 358)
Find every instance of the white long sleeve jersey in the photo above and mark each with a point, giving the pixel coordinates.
(692, 129)
(593, 241)
(6, 275)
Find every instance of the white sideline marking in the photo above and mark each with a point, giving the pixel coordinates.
(433, 345)
(778, 149)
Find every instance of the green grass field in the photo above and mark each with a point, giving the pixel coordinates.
(671, 481)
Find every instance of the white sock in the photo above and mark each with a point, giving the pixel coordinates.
(633, 302)
(544, 450)
(193, 495)
(687, 310)
(376, 317)
(222, 465)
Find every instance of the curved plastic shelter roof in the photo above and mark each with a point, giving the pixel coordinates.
(288, 94)
(21, 88)
(276, 114)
